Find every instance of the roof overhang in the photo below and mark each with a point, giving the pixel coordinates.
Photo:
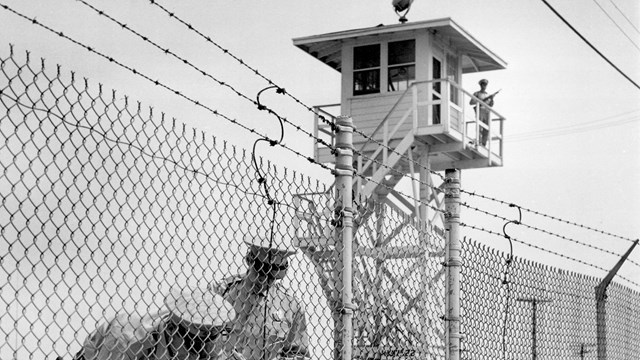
(476, 57)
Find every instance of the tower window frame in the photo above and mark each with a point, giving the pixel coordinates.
(401, 64)
(366, 69)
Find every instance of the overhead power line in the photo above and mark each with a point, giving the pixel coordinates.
(625, 16)
(616, 24)
(590, 45)
(623, 118)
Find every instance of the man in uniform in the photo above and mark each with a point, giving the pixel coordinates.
(185, 329)
(483, 110)
(270, 321)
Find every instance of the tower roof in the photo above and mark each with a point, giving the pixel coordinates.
(328, 47)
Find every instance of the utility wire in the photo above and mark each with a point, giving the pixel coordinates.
(590, 45)
(616, 24)
(570, 129)
(625, 16)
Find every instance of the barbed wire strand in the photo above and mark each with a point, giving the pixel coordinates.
(257, 103)
(271, 82)
(204, 73)
(547, 250)
(369, 138)
(162, 85)
(547, 232)
(156, 82)
(547, 216)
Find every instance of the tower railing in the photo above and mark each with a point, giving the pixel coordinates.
(434, 107)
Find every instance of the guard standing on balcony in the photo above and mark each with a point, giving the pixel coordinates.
(482, 110)
(270, 321)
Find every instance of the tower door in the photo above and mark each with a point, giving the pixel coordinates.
(436, 89)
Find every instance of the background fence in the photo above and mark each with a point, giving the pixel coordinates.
(498, 318)
(107, 206)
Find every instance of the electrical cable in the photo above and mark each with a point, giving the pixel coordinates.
(590, 45)
(617, 25)
(575, 128)
(625, 16)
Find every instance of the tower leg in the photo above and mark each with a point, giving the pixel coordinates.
(453, 262)
(425, 187)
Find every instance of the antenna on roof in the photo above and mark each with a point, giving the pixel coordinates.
(402, 5)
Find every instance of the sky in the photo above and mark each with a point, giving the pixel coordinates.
(572, 133)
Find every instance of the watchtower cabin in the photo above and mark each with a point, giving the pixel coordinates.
(402, 86)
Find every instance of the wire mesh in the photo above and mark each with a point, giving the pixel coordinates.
(116, 221)
(126, 235)
(540, 311)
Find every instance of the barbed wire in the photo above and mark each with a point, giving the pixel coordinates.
(366, 136)
(271, 82)
(167, 51)
(547, 216)
(547, 250)
(245, 97)
(262, 107)
(162, 85)
(215, 112)
(546, 232)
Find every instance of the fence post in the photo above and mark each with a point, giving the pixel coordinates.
(601, 310)
(453, 263)
(344, 238)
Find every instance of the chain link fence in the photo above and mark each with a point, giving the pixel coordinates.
(109, 212)
(540, 311)
(115, 220)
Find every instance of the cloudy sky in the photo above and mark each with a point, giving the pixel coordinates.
(573, 122)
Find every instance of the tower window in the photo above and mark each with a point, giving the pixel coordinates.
(366, 69)
(402, 64)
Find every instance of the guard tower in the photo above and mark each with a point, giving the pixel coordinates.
(402, 86)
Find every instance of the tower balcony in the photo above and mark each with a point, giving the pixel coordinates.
(431, 117)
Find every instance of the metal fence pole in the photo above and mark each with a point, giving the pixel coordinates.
(344, 235)
(601, 309)
(453, 262)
